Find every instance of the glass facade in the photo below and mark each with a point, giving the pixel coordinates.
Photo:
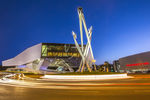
(59, 50)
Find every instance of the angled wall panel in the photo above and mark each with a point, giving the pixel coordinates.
(27, 56)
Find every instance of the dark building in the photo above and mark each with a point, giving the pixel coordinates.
(116, 66)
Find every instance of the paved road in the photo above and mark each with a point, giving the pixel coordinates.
(123, 89)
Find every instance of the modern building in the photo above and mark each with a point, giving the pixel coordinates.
(134, 63)
(47, 56)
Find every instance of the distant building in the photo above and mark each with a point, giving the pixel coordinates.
(47, 56)
(116, 66)
(134, 63)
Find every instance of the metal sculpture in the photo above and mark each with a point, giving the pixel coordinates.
(87, 50)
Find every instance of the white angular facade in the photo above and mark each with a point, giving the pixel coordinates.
(42, 55)
(29, 55)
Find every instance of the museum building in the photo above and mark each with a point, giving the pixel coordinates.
(47, 56)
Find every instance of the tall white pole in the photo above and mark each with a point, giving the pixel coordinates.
(80, 24)
(86, 31)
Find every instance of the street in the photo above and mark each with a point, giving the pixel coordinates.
(124, 89)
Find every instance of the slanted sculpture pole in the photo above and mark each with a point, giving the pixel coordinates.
(84, 51)
(80, 24)
(83, 57)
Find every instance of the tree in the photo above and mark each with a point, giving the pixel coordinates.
(108, 66)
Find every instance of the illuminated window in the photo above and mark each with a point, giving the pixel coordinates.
(65, 54)
(55, 53)
(60, 48)
(75, 54)
(60, 54)
(50, 54)
(69, 54)
(44, 50)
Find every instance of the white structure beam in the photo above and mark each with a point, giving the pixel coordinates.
(88, 49)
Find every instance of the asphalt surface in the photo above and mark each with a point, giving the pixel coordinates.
(137, 88)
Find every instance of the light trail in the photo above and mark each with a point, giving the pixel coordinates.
(67, 85)
(85, 77)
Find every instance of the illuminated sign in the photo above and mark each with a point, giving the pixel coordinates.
(138, 64)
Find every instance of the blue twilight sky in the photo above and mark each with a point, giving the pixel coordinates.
(120, 27)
